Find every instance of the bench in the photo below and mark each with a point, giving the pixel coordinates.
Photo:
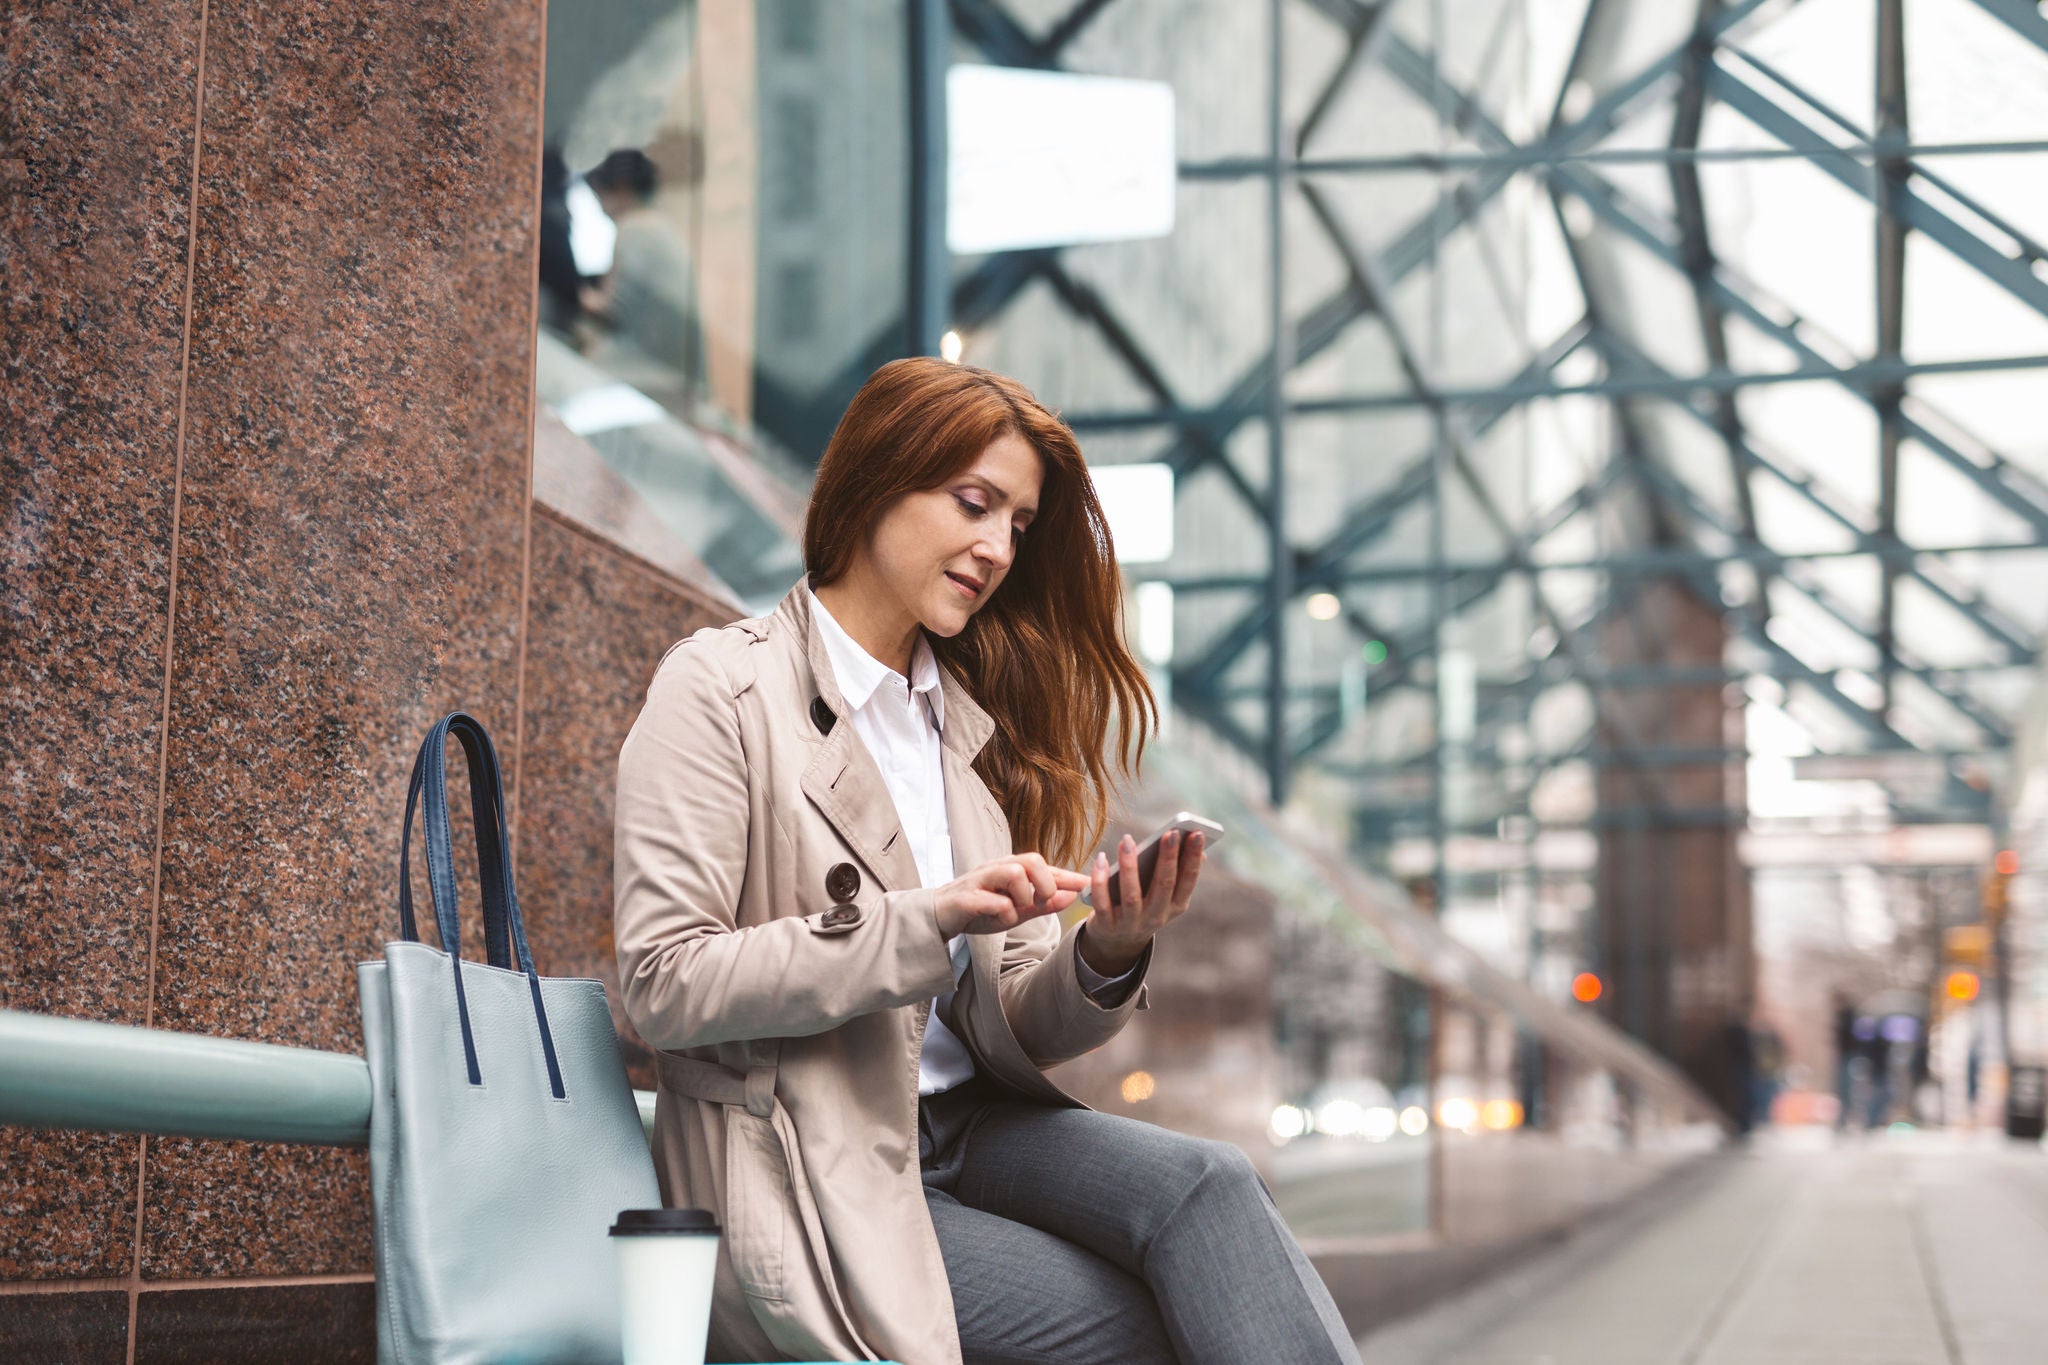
(116, 1078)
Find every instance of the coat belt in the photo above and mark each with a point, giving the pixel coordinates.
(752, 1090)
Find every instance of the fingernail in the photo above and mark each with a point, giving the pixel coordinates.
(1127, 844)
(1101, 861)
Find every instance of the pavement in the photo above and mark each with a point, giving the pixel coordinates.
(1802, 1248)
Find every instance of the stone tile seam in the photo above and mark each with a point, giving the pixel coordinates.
(156, 880)
(1930, 1274)
(1762, 1245)
(532, 402)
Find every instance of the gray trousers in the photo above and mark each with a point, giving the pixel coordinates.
(1076, 1237)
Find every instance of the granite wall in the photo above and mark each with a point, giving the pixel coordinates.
(266, 464)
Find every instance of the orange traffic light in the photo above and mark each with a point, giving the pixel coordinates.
(1962, 985)
(1585, 988)
(2007, 862)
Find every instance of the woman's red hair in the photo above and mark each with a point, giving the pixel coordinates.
(1045, 657)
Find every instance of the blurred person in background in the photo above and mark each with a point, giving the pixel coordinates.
(647, 300)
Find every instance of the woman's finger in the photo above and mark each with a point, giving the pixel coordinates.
(1165, 873)
(1068, 880)
(1190, 870)
(1023, 891)
(1127, 873)
(1002, 910)
(1003, 878)
(1098, 889)
(1043, 885)
(998, 912)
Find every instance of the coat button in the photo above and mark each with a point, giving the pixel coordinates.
(838, 915)
(842, 883)
(821, 715)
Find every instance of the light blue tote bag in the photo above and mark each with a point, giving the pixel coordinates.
(504, 1137)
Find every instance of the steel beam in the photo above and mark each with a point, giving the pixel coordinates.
(1455, 448)
(1696, 253)
(1609, 204)
(1975, 610)
(1466, 590)
(1070, 25)
(1602, 196)
(2022, 17)
(1862, 376)
(1530, 159)
(2015, 275)
(2012, 487)
(1084, 301)
(2030, 247)
(927, 305)
(1993, 727)
(1653, 560)
(2010, 635)
(1279, 562)
(1891, 182)
(1325, 322)
(1657, 756)
(1360, 22)
(803, 419)
(1362, 524)
(992, 28)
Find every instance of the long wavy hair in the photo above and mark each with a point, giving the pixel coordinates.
(1045, 656)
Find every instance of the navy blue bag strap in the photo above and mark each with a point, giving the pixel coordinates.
(504, 932)
(487, 808)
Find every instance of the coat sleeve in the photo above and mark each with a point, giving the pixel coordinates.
(1052, 1016)
(689, 974)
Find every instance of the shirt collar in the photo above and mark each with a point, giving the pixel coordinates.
(860, 673)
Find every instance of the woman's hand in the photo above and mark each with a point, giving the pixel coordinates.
(1116, 935)
(998, 896)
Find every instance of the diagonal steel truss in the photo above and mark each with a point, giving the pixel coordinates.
(1720, 552)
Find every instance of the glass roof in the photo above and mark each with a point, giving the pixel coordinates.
(1529, 332)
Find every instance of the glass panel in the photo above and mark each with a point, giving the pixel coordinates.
(724, 204)
(1970, 77)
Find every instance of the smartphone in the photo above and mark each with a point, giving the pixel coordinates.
(1187, 822)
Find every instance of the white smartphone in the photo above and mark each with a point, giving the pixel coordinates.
(1187, 822)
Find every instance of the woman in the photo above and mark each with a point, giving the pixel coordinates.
(837, 881)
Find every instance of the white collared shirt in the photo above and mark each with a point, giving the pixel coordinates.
(900, 720)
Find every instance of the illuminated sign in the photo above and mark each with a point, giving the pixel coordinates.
(1046, 158)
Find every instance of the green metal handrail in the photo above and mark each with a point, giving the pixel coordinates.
(116, 1078)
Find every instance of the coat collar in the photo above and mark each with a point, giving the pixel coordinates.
(965, 727)
(860, 674)
(844, 783)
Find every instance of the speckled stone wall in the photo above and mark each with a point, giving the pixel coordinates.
(266, 320)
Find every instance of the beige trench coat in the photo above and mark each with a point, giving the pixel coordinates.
(788, 1017)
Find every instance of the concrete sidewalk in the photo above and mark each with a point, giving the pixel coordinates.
(1915, 1248)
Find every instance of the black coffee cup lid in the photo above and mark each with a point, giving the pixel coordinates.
(654, 1222)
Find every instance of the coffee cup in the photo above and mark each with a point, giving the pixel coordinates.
(667, 1259)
